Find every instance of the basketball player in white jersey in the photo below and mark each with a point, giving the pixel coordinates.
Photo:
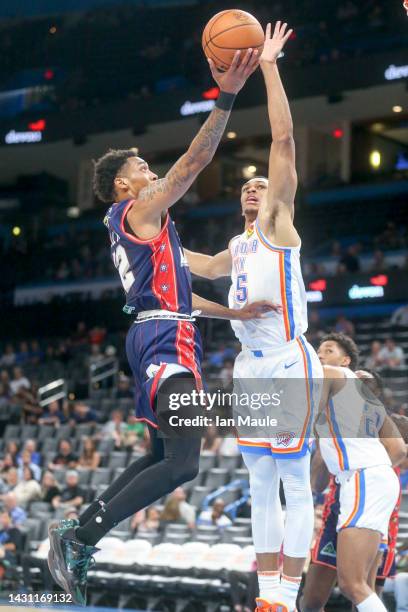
(264, 263)
(354, 432)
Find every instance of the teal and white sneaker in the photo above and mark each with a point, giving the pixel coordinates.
(59, 526)
(73, 560)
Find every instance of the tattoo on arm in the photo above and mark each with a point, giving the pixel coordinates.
(199, 154)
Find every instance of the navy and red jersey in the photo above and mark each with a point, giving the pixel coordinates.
(154, 273)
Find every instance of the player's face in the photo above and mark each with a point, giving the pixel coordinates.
(253, 193)
(331, 354)
(136, 175)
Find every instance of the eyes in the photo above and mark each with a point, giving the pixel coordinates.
(258, 187)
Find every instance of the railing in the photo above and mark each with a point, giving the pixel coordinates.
(53, 391)
(101, 371)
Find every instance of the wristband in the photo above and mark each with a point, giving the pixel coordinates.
(225, 101)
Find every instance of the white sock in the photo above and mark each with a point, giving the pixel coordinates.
(288, 591)
(372, 604)
(268, 584)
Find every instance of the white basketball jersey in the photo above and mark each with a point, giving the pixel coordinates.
(263, 271)
(348, 437)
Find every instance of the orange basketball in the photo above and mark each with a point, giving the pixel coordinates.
(229, 31)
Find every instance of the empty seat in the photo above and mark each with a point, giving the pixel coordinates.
(178, 538)
(207, 461)
(39, 506)
(28, 431)
(84, 475)
(64, 432)
(217, 477)
(133, 551)
(106, 446)
(117, 460)
(83, 430)
(229, 463)
(198, 495)
(101, 476)
(46, 431)
(220, 556)
(162, 554)
(12, 432)
(49, 446)
(235, 532)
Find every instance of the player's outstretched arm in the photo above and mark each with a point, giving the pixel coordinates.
(163, 193)
(209, 266)
(282, 176)
(256, 310)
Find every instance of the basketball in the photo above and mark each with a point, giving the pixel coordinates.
(229, 31)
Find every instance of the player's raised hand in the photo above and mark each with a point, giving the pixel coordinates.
(258, 310)
(234, 78)
(274, 44)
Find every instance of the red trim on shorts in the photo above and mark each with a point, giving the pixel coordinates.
(145, 420)
(185, 348)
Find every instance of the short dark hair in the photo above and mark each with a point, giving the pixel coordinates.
(106, 169)
(347, 344)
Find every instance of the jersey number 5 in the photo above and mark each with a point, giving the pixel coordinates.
(241, 292)
(122, 264)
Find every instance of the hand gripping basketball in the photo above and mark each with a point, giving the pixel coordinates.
(234, 78)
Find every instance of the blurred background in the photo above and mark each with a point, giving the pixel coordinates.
(80, 76)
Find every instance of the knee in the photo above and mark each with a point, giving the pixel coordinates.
(184, 472)
(353, 588)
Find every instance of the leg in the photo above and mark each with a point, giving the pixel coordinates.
(320, 581)
(356, 551)
(155, 454)
(267, 520)
(299, 523)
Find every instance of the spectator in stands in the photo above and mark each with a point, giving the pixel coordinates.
(52, 415)
(379, 263)
(391, 355)
(8, 482)
(28, 489)
(226, 373)
(89, 458)
(73, 495)
(65, 457)
(31, 407)
(49, 487)
(373, 361)
(211, 442)
(80, 336)
(17, 514)
(124, 389)
(8, 358)
(83, 415)
(114, 428)
(12, 449)
(30, 446)
(4, 396)
(10, 542)
(146, 521)
(177, 509)
(26, 462)
(400, 316)
(19, 382)
(8, 463)
(350, 259)
(36, 353)
(133, 434)
(23, 354)
(344, 326)
(215, 515)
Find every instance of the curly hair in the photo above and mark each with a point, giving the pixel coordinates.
(347, 344)
(106, 169)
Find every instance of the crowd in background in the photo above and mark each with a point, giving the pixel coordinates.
(140, 52)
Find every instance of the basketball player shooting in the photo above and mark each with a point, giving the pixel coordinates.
(264, 262)
(163, 344)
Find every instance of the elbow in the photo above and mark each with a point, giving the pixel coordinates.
(399, 453)
(285, 137)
